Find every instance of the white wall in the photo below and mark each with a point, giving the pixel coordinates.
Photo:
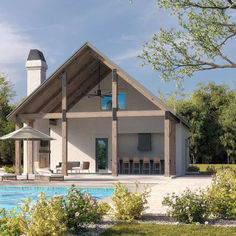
(182, 151)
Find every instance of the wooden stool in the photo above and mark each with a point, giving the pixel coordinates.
(126, 165)
(156, 166)
(136, 165)
(146, 165)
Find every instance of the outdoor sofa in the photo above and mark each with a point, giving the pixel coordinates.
(6, 176)
(47, 175)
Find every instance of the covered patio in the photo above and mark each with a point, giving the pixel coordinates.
(52, 108)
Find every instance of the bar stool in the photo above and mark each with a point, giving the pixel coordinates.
(126, 165)
(136, 165)
(156, 165)
(146, 165)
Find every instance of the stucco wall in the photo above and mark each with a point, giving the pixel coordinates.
(182, 149)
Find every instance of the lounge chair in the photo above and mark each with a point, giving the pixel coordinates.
(46, 174)
(6, 176)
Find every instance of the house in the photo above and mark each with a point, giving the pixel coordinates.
(91, 106)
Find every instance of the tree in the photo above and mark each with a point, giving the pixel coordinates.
(228, 122)
(211, 115)
(205, 28)
(7, 149)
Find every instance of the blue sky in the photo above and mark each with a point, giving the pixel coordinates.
(60, 27)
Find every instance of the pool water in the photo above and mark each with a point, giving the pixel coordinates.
(10, 196)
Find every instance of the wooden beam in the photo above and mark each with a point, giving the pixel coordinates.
(144, 113)
(17, 150)
(64, 125)
(169, 145)
(96, 114)
(114, 123)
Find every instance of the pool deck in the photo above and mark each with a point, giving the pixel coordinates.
(159, 185)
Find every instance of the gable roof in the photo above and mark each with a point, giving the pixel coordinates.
(82, 77)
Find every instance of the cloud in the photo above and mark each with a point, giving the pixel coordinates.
(14, 46)
(129, 54)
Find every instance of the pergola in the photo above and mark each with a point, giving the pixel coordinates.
(68, 84)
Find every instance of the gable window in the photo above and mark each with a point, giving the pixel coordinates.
(107, 102)
(144, 142)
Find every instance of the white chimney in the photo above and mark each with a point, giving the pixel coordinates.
(36, 70)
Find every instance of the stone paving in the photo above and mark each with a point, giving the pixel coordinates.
(159, 185)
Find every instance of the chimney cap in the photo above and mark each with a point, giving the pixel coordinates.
(35, 54)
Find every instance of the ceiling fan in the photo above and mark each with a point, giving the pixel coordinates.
(98, 92)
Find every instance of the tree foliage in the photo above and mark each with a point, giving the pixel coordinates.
(205, 28)
(7, 149)
(211, 114)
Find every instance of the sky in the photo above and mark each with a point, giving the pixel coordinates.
(115, 27)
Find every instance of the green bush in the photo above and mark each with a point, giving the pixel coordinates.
(221, 195)
(211, 170)
(81, 209)
(128, 205)
(193, 169)
(11, 169)
(9, 223)
(189, 207)
(45, 217)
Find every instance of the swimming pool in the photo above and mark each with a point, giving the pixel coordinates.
(10, 196)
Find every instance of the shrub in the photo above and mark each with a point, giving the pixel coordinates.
(45, 217)
(221, 195)
(81, 209)
(193, 169)
(11, 169)
(189, 207)
(128, 205)
(211, 170)
(9, 223)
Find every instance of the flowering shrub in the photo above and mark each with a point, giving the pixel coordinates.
(221, 195)
(43, 217)
(81, 209)
(189, 207)
(9, 223)
(128, 205)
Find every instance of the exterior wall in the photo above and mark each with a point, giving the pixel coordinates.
(128, 143)
(83, 132)
(182, 149)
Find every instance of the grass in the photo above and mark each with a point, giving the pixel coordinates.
(203, 167)
(139, 229)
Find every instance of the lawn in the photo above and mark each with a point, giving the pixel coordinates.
(203, 167)
(168, 230)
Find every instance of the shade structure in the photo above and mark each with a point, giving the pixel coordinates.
(27, 133)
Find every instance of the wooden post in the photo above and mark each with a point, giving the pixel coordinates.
(167, 144)
(64, 125)
(114, 122)
(30, 152)
(170, 145)
(17, 150)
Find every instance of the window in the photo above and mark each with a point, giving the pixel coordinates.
(144, 142)
(107, 102)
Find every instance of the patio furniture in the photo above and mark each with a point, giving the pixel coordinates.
(156, 166)
(6, 176)
(136, 165)
(85, 166)
(146, 165)
(46, 174)
(126, 165)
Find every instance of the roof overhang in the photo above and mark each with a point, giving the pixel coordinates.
(82, 75)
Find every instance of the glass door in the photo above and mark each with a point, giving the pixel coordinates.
(101, 154)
